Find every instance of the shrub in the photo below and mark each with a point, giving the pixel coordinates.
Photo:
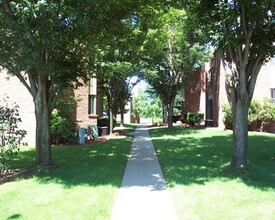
(267, 116)
(259, 114)
(61, 128)
(193, 118)
(62, 124)
(10, 135)
(267, 112)
(254, 123)
(228, 117)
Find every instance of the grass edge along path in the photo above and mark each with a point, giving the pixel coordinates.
(195, 166)
(83, 187)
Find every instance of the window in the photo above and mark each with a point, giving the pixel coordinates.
(91, 105)
(92, 97)
(93, 86)
(273, 95)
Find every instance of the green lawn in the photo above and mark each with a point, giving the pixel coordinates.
(195, 165)
(83, 187)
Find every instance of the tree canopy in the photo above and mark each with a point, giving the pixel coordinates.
(50, 45)
(172, 55)
(44, 44)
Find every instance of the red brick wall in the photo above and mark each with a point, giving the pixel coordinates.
(193, 92)
(82, 117)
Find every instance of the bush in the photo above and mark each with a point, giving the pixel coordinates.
(267, 112)
(228, 117)
(10, 135)
(267, 116)
(254, 122)
(62, 124)
(259, 115)
(193, 118)
(61, 128)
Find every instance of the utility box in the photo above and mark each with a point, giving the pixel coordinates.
(81, 136)
(94, 132)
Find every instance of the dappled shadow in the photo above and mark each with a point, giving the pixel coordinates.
(196, 159)
(95, 164)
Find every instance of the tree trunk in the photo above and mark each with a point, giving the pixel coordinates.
(240, 134)
(170, 116)
(111, 121)
(121, 115)
(164, 113)
(170, 110)
(42, 114)
(122, 119)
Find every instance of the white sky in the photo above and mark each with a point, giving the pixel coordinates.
(140, 86)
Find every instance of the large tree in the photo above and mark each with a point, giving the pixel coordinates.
(42, 44)
(171, 56)
(50, 45)
(243, 32)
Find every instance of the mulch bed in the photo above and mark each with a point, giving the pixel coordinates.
(99, 140)
(89, 142)
(6, 173)
(10, 175)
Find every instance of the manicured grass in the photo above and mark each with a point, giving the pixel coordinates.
(195, 164)
(126, 128)
(83, 187)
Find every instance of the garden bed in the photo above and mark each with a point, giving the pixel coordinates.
(10, 175)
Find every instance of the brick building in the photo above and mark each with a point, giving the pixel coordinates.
(89, 104)
(207, 93)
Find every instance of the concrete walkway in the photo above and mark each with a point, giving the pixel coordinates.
(143, 194)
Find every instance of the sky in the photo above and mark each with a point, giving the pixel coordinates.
(140, 86)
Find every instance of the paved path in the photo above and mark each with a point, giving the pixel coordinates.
(143, 194)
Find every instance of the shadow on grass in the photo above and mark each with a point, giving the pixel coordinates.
(198, 156)
(15, 216)
(95, 164)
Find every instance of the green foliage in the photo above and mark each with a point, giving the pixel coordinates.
(228, 117)
(147, 105)
(258, 114)
(225, 30)
(254, 111)
(267, 112)
(171, 55)
(10, 135)
(178, 105)
(61, 128)
(193, 118)
(62, 125)
(48, 35)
